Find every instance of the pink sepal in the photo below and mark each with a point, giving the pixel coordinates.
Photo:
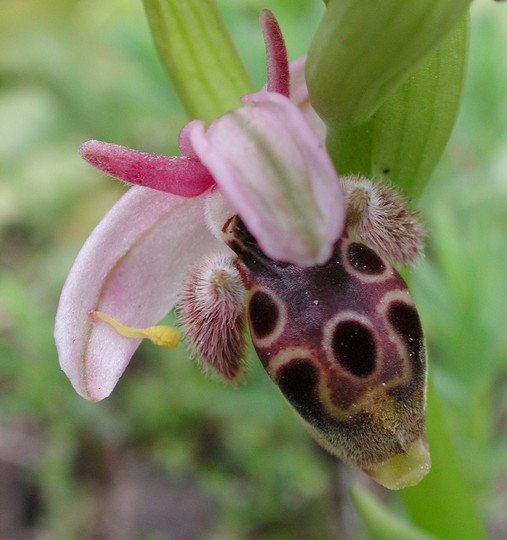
(131, 268)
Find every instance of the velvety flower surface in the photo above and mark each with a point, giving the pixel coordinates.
(270, 167)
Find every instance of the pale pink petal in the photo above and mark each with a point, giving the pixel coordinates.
(276, 54)
(131, 268)
(276, 173)
(184, 142)
(218, 212)
(299, 96)
(184, 176)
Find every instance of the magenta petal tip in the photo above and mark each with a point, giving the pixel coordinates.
(184, 176)
(276, 54)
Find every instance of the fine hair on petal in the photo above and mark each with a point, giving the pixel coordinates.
(211, 309)
(379, 216)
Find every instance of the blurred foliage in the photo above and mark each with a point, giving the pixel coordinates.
(217, 462)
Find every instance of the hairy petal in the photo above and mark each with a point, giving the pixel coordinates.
(276, 173)
(184, 176)
(276, 54)
(378, 215)
(212, 310)
(131, 268)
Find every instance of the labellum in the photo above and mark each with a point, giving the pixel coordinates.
(344, 344)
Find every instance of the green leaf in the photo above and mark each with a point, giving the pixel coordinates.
(363, 51)
(198, 54)
(351, 148)
(405, 138)
(381, 523)
(442, 502)
(414, 124)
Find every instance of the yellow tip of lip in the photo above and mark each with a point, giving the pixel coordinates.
(404, 470)
(163, 336)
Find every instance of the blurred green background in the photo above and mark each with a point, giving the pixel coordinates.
(172, 454)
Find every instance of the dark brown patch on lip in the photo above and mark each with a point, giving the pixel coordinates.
(298, 380)
(354, 348)
(365, 260)
(359, 438)
(263, 313)
(335, 378)
(405, 320)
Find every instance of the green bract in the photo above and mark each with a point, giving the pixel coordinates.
(405, 138)
(363, 51)
(196, 51)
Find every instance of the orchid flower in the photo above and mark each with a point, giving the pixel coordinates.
(262, 161)
(252, 220)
